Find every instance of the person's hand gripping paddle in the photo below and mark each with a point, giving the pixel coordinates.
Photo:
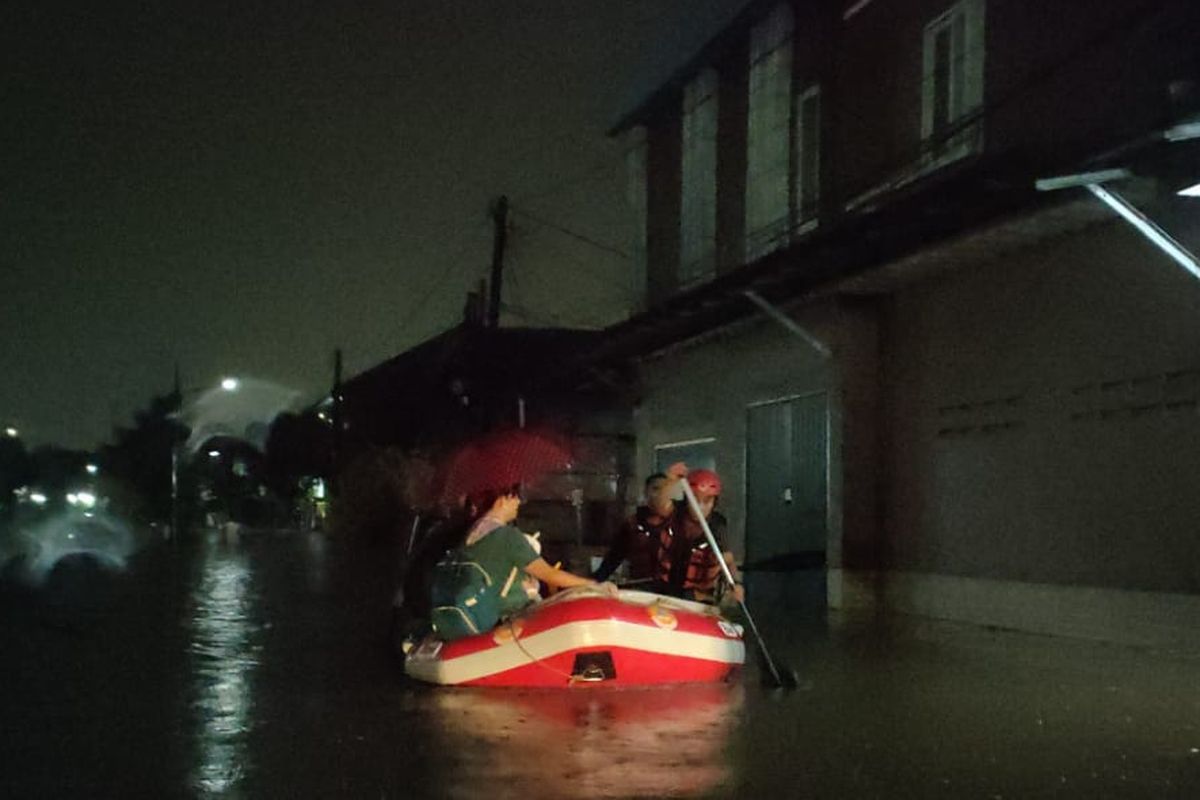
(773, 676)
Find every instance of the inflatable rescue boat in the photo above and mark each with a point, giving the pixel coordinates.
(584, 636)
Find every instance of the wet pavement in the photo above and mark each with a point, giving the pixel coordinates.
(260, 668)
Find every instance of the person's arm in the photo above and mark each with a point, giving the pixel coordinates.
(617, 553)
(553, 576)
(739, 592)
(561, 579)
(720, 528)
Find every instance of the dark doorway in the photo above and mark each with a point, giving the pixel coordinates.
(787, 458)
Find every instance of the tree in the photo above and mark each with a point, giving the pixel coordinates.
(139, 459)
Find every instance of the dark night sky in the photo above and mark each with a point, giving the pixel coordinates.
(241, 187)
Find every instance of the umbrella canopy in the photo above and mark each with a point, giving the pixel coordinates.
(502, 459)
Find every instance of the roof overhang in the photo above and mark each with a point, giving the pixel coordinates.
(967, 215)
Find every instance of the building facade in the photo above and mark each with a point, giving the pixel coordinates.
(948, 391)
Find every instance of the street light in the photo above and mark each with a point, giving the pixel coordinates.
(11, 432)
(230, 384)
(92, 469)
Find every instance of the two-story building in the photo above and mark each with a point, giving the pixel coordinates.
(955, 391)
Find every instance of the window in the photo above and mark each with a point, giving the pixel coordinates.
(768, 135)
(952, 83)
(635, 189)
(807, 158)
(698, 213)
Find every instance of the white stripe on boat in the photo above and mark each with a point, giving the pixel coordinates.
(584, 634)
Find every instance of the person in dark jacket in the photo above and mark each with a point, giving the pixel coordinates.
(637, 540)
(687, 566)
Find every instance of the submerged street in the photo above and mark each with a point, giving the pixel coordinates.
(260, 667)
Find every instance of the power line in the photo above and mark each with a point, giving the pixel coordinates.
(626, 293)
(571, 234)
(415, 311)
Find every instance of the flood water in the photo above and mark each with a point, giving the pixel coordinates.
(260, 668)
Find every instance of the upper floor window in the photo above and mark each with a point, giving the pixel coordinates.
(698, 209)
(768, 134)
(952, 82)
(807, 191)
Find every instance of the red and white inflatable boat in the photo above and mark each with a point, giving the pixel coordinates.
(585, 636)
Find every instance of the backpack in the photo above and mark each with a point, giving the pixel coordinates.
(465, 599)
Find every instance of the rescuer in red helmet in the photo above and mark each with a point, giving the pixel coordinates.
(687, 566)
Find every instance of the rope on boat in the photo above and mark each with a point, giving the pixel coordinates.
(540, 662)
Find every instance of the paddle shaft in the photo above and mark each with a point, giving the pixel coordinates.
(712, 542)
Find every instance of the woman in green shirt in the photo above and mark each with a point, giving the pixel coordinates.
(479, 582)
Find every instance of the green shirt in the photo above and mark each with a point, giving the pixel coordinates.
(499, 553)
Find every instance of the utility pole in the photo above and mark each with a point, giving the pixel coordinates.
(499, 240)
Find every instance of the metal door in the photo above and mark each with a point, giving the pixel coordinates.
(786, 481)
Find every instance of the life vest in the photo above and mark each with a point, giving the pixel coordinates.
(701, 569)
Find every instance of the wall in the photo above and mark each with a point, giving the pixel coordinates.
(1043, 420)
(702, 388)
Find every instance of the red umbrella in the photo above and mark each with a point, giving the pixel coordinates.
(502, 459)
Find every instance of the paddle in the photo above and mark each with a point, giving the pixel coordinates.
(785, 678)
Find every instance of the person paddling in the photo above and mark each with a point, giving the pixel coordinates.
(687, 566)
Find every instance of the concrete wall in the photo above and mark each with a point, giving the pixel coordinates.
(1039, 433)
(1013, 443)
(702, 388)
(1043, 419)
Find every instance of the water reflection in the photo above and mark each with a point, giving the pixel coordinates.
(224, 651)
(588, 743)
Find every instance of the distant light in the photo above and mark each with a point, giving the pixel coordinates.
(89, 514)
(86, 499)
(73, 499)
(214, 453)
(11, 432)
(92, 469)
(1191, 191)
(230, 384)
(322, 416)
(37, 498)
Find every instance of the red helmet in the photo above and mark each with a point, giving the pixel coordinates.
(704, 482)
